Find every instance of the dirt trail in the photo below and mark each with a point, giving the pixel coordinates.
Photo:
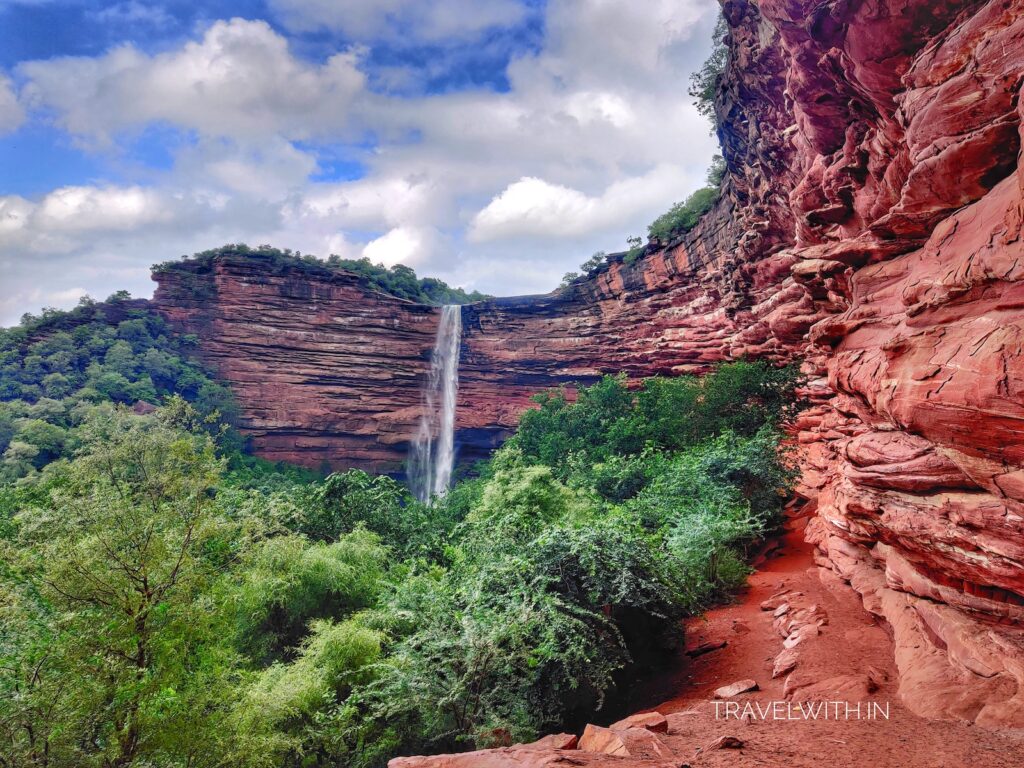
(842, 664)
(850, 660)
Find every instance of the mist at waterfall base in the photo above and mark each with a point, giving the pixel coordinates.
(433, 449)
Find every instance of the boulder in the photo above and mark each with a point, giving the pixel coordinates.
(651, 721)
(627, 742)
(735, 689)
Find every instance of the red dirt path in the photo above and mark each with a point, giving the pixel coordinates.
(849, 660)
(850, 648)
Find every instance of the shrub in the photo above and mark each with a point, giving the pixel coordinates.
(682, 217)
(547, 602)
(281, 718)
(636, 250)
(383, 505)
(287, 582)
(610, 419)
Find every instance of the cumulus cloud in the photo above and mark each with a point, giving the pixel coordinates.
(433, 21)
(240, 80)
(372, 203)
(532, 207)
(11, 112)
(501, 190)
(401, 245)
(60, 221)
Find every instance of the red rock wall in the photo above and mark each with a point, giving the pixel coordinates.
(907, 226)
(871, 225)
(325, 371)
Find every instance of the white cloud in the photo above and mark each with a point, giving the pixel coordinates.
(501, 191)
(268, 170)
(240, 80)
(436, 20)
(11, 112)
(133, 12)
(532, 207)
(84, 209)
(14, 305)
(69, 218)
(402, 245)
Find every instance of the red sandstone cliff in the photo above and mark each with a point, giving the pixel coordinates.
(326, 372)
(871, 225)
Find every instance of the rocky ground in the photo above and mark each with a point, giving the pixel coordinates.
(804, 638)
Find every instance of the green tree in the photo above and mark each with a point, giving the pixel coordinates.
(120, 359)
(117, 554)
(286, 582)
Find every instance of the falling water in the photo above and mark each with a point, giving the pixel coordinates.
(433, 450)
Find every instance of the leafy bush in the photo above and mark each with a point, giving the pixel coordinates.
(286, 582)
(610, 419)
(280, 719)
(636, 250)
(347, 500)
(546, 602)
(682, 217)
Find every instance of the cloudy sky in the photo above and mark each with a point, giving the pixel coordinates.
(495, 144)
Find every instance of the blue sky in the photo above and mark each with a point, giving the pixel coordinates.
(495, 144)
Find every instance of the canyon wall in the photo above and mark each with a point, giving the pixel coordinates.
(907, 230)
(870, 225)
(326, 372)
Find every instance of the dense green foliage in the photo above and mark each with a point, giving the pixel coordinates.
(398, 280)
(55, 368)
(165, 601)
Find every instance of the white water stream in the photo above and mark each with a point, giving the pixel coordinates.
(433, 450)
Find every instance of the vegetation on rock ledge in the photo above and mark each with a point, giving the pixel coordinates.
(682, 217)
(398, 280)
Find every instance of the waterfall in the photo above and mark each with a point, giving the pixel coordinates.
(433, 450)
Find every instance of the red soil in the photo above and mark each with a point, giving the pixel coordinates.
(850, 660)
(852, 655)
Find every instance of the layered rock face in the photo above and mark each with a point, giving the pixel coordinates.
(327, 373)
(870, 226)
(907, 226)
